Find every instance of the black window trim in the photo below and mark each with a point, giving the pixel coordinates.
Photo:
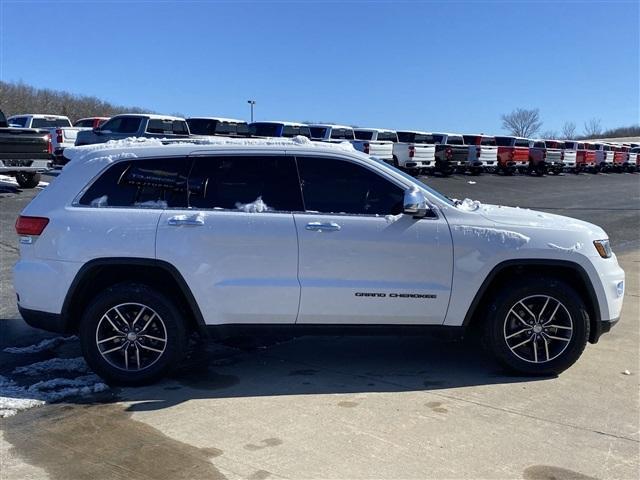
(191, 158)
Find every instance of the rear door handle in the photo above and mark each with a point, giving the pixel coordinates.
(186, 220)
(322, 227)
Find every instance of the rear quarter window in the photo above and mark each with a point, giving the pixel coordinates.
(50, 123)
(342, 134)
(167, 127)
(362, 135)
(151, 183)
(387, 137)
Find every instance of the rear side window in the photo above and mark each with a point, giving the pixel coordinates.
(152, 183)
(264, 129)
(338, 186)
(21, 121)
(342, 134)
(294, 130)
(471, 139)
(167, 127)
(455, 140)
(438, 139)
(50, 122)
(123, 125)
(521, 142)
(488, 141)
(84, 123)
(362, 135)
(317, 132)
(387, 137)
(504, 141)
(255, 183)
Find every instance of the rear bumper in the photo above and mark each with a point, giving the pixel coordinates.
(51, 322)
(36, 166)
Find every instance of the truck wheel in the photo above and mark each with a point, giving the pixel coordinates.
(537, 326)
(28, 180)
(131, 334)
(395, 162)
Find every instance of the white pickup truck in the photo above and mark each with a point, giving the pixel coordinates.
(414, 151)
(63, 135)
(377, 142)
(483, 153)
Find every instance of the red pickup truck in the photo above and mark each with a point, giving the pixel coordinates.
(589, 156)
(620, 158)
(513, 154)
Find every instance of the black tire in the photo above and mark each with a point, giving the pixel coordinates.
(501, 320)
(395, 162)
(172, 328)
(28, 180)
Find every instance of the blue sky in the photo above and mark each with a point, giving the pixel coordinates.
(428, 65)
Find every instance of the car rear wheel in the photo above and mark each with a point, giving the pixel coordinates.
(132, 335)
(28, 180)
(539, 326)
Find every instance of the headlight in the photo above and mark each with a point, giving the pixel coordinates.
(603, 248)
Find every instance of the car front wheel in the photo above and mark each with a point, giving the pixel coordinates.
(132, 335)
(539, 326)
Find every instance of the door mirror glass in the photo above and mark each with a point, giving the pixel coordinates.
(415, 203)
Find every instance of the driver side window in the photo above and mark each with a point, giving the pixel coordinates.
(337, 186)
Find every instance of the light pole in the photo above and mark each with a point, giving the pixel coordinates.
(252, 103)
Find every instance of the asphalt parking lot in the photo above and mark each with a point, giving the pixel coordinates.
(342, 407)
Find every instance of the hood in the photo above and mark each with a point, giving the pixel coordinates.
(532, 218)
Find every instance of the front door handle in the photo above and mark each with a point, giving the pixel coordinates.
(323, 227)
(186, 220)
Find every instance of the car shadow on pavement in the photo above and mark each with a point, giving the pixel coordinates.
(322, 365)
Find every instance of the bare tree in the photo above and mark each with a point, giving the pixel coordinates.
(522, 122)
(568, 130)
(550, 134)
(592, 128)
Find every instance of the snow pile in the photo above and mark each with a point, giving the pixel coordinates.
(392, 218)
(577, 247)
(506, 238)
(99, 202)
(53, 365)
(12, 181)
(257, 206)
(468, 205)
(47, 344)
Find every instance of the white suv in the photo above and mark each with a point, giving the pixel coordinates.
(135, 245)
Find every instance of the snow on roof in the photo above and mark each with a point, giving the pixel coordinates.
(219, 119)
(155, 146)
(449, 134)
(379, 130)
(420, 132)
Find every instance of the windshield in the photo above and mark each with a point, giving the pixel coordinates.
(415, 181)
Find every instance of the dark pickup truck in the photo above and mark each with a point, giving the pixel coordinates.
(24, 153)
(452, 153)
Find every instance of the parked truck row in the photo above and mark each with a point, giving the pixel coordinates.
(414, 151)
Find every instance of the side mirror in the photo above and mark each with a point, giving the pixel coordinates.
(415, 203)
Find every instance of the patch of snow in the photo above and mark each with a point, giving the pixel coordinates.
(53, 365)
(99, 202)
(393, 218)
(578, 246)
(257, 206)
(626, 372)
(468, 205)
(46, 344)
(495, 235)
(471, 182)
(152, 203)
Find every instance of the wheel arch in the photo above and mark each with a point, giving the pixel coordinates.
(96, 275)
(571, 272)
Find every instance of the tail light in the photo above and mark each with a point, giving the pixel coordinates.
(478, 152)
(449, 153)
(59, 138)
(412, 151)
(30, 225)
(49, 145)
(365, 147)
(512, 153)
